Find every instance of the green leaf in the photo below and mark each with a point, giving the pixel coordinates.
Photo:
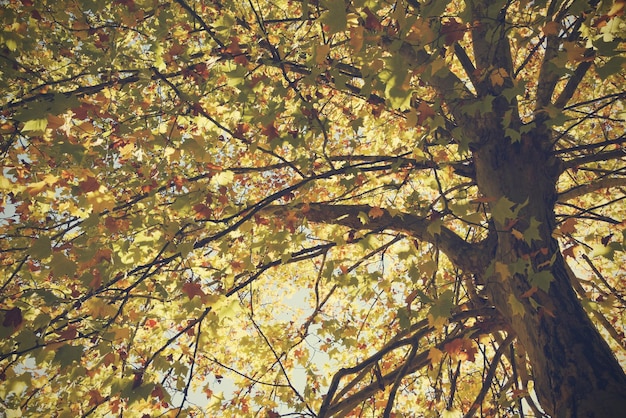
(612, 66)
(41, 248)
(62, 266)
(443, 305)
(516, 306)
(434, 227)
(532, 232)
(503, 210)
(68, 354)
(542, 279)
(335, 18)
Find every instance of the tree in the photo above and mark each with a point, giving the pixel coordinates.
(322, 208)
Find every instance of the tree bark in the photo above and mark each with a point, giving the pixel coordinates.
(576, 373)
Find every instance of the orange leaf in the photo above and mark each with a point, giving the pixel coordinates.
(375, 212)
(461, 349)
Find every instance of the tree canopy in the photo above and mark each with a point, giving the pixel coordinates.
(312, 208)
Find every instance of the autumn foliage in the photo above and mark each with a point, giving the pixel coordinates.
(312, 208)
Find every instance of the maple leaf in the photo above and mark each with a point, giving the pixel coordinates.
(375, 212)
(202, 211)
(435, 355)
(551, 28)
(89, 185)
(498, 76)
(453, 31)
(12, 318)
(193, 289)
(95, 397)
(425, 111)
(461, 349)
(568, 226)
(371, 21)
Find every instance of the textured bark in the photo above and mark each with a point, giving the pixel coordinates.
(576, 373)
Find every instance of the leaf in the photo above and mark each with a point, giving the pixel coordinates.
(35, 125)
(12, 318)
(89, 185)
(516, 306)
(375, 212)
(434, 227)
(498, 76)
(42, 247)
(224, 178)
(453, 31)
(321, 51)
(502, 270)
(503, 210)
(462, 349)
(542, 279)
(440, 310)
(551, 28)
(517, 234)
(435, 355)
(371, 21)
(68, 354)
(532, 232)
(335, 18)
(612, 66)
(193, 289)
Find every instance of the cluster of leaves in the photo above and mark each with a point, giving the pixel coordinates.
(239, 207)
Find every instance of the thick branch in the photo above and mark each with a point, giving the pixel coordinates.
(467, 256)
(592, 158)
(591, 187)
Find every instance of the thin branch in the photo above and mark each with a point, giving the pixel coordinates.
(489, 377)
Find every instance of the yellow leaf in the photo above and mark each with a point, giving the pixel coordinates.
(356, 38)
(502, 269)
(224, 178)
(320, 53)
(517, 234)
(498, 76)
(100, 201)
(435, 355)
(37, 125)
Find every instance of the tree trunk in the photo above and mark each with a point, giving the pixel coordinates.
(576, 373)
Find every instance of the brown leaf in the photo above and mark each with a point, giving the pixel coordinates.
(89, 185)
(551, 28)
(12, 318)
(371, 21)
(453, 31)
(193, 289)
